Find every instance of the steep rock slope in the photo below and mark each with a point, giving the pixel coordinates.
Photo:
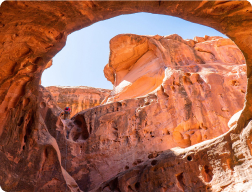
(78, 98)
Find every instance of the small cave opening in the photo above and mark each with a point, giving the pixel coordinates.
(207, 173)
(154, 162)
(189, 158)
(28, 132)
(180, 181)
(81, 123)
(137, 185)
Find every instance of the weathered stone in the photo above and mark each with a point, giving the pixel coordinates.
(191, 103)
(138, 63)
(32, 32)
(78, 98)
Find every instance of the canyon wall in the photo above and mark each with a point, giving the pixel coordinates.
(176, 95)
(78, 98)
(35, 144)
(177, 104)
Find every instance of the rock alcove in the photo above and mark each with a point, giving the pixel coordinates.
(35, 153)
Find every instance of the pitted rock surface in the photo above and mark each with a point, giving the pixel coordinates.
(78, 98)
(31, 152)
(192, 103)
(137, 64)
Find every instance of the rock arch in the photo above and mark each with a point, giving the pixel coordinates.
(31, 33)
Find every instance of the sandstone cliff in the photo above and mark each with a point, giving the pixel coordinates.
(177, 102)
(78, 98)
(175, 105)
(32, 32)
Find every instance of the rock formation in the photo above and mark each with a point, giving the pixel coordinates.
(78, 98)
(189, 103)
(34, 153)
(137, 64)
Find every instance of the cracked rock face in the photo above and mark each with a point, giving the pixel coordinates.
(38, 150)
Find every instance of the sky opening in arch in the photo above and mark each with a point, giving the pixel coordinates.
(81, 61)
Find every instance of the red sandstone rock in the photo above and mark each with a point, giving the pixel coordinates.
(78, 98)
(137, 64)
(31, 33)
(199, 39)
(191, 103)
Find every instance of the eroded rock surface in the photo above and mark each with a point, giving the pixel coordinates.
(32, 32)
(78, 98)
(191, 103)
(137, 63)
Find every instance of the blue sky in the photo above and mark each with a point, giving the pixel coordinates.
(81, 61)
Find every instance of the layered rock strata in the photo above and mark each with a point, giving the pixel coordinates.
(33, 32)
(78, 98)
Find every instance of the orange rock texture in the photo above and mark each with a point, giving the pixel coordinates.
(197, 86)
(78, 98)
(139, 65)
(41, 152)
(176, 106)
